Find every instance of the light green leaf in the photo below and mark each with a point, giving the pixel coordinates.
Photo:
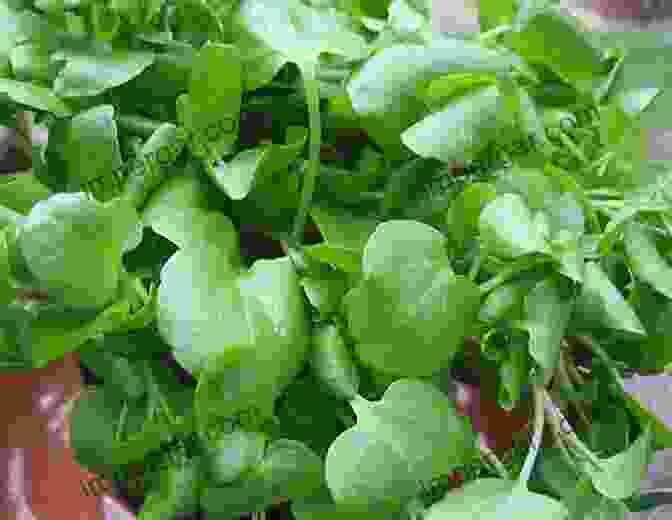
(621, 475)
(410, 312)
(645, 260)
(237, 177)
(408, 21)
(403, 67)
(410, 436)
(244, 333)
(495, 499)
(385, 90)
(548, 311)
(460, 130)
(34, 96)
(86, 75)
(549, 37)
(177, 210)
(600, 303)
(507, 228)
(73, 246)
(302, 33)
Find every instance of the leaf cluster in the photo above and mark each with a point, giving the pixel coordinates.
(418, 204)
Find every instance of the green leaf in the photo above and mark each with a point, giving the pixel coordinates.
(332, 362)
(621, 475)
(291, 470)
(34, 96)
(601, 304)
(302, 33)
(609, 509)
(645, 260)
(449, 88)
(513, 374)
(115, 371)
(326, 292)
(548, 311)
(551, 38)
(176, 491)
(73, 246)
(463, 216)
(643, 67)
(237, 177)
(243, 333)
(92, 151)
(460, 130)
(177, 210)
(235, 500)
(408, 21)
(93, 422)
(390, 106)
(22, 191)
(495, 499)
(411, 435)
(321, 506)
(211, 109)
(494, 13)
(310, 413)
(230, 456)
(345, 236)
(90, 74)
(409, 301)
(508, 228)
(505, 302)
(51, 335)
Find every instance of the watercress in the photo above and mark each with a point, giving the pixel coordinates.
(278, 231)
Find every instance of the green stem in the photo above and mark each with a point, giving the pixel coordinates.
(568, 435)
(312, 88)
(558, 438)
(528, 465)
(475, 266)
(602, 355)
(571, 146)
(491, 458)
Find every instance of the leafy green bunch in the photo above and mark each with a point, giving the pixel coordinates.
(431, 204)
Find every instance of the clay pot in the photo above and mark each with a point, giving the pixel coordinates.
(39, 478)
